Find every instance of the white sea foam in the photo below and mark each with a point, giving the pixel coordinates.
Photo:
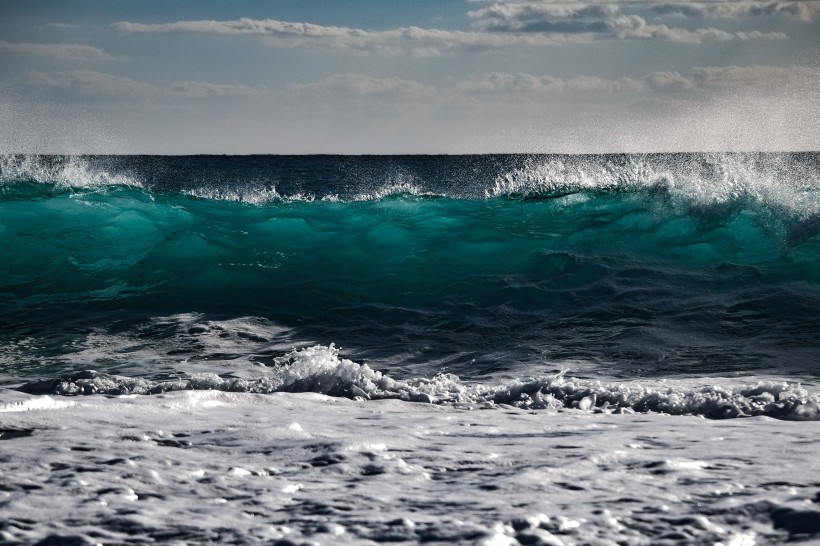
(264, 193)
(253, 195)
(249, 193)
(68, 172)
(704, 180)
(38, 403)
(398, 184)
(173, 468)
(320, 369)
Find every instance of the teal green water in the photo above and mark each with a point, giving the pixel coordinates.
(646, 279)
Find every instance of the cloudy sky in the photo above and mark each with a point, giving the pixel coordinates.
(408, 76)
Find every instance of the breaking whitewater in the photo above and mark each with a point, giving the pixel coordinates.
(354, 350)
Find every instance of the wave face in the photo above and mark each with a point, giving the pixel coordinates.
(629, 266)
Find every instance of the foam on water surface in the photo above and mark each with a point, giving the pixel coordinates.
(320, 369)
(537, 349)
(208, 466)
(39, 403)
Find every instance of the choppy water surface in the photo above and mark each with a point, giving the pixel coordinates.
(612, 300)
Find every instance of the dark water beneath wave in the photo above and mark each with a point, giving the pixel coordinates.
(482, 266)
(168, 370)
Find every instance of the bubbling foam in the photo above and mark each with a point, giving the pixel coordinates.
(320, 369)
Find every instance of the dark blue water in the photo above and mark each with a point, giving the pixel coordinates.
(635, 265)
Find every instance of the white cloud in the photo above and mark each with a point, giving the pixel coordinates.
(363, 86)
(773, 77)
(805, 10)
(633, 27)
(202, 90)
(239, 26)
(498, 82)
(414, 40)
(63, 52)
(497, 26)
(601, 20)
(698, 78)
(532, 17)
(89, 83)
(669, 81)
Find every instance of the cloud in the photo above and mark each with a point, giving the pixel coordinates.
(497, 26)
(668, 81)
(362, 85)
(698, 78)
(600, 20)
(89, 83)
(498, 82)
(63, 52)
(239, 26)
(805, 10)
(415, 40)
(202, 90)
(759, 77)
(543, 17)
(774, 77)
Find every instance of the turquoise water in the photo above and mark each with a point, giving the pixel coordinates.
(451, 350)
(646, 266)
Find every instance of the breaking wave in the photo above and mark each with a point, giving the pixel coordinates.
(62, 172)
(320, 369)
(654, 265)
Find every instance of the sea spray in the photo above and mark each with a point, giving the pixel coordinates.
(320, 369)
(536, 349)
(646, 264)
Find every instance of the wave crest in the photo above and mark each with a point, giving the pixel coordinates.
(786, 182)
(73, 172)
(320, 369)
(399, 185)
(701, 180)
(250, 194)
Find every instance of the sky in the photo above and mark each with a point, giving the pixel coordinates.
(408, 76)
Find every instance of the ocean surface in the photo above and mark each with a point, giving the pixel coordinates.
(490, 349)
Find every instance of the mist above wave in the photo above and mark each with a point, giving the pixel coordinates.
(654, 263)
(76, 172)
(788, 181)
(705, 180)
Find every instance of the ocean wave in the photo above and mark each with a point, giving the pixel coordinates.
(69, 172)
(399, 185)
(736, 285)
(785, 183)
(405, 266)
(705, 180)
(320, 369)
(250, 194)
(260, 194)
